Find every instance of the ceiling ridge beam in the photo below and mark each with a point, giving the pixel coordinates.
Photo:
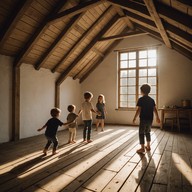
(74, 10)
(87, 49)
(98, 62)
(123, 36)
(86, 33)
(153, 12)
(12, 20)
(58, 39)
(36, 35)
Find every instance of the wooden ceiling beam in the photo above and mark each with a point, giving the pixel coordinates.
(132, 6)
(152, 10)
(123, 36)
(97, 63)
(81, 39)
(64, 75)
(15, 16)
(58, 39)
(34, 38)
(74, 10)
(173, 14)
(186, 2)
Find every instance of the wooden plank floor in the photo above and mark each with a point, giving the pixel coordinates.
(109, 164)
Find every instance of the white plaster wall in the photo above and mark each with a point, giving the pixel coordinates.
(174, 73)
(70, 93)
(38, 97)
(5, 98)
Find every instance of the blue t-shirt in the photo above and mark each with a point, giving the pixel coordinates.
(147, 105)
(52, 126)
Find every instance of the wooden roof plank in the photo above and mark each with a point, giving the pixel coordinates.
(152, 10)
(85, 34)
(43, 26)
(97, 63)
(87, 48)
(59, 38)
(13, 20)
(74, 10)
(123, 36)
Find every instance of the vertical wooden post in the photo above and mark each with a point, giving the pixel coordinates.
(57, 95)
(16, 104)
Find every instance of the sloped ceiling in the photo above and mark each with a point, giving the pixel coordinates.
(73, 37)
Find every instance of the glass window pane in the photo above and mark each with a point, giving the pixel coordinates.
(132, 63)
(142, 54)
(123, 98)
(131, 98)
(154, 97)
(142, 62)
(131, 90)
(131, 81)
(123, 73)
(152, 80)
(132, 55)
(142, 81)
(152, 62)
(123, 81)
(123, 104)
(153, 90)
(132, 104)
(123, 90)
(132, 73)
(151, 72)
(123, 56)
(124, 64)
(152, 53)
(142, 72)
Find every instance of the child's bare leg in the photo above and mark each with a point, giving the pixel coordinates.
(70, 137)
(97, 125)
(148, 146)
(102, 124)
(74, 136)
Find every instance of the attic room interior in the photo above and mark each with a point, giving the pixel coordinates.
(53, 51)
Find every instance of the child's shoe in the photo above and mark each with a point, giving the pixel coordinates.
(141, 150)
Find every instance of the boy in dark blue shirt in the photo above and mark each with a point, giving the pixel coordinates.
(145, 109)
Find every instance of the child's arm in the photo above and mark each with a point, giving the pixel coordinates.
(157, 115)
(41, 128)
(80, 111)
(137, 113)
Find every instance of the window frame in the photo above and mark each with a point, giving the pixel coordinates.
(137, 94)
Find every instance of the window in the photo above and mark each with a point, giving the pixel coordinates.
(136, 68)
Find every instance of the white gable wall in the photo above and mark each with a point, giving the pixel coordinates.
(174, 73)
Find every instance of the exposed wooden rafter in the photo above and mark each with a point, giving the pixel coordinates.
(95, 65)
(123, 36)
(34, 38)
(59, 38)
(152, 10)
(74, 10)
(87, 49)
(13, 20)
(86, 33)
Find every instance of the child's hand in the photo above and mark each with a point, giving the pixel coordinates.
(158, 120)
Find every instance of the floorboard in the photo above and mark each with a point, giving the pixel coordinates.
(108, 164)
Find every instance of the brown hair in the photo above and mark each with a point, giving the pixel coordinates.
(55, 112)
(70, 108)
(88, 95)
(145, 88)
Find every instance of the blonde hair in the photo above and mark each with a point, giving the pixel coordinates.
(103, 97)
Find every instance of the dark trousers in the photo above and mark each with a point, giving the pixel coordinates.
(144, 131)
(51, 140)
(87, 129)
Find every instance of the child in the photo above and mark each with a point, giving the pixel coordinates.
(86, 110)
(72, 126)
(51, 130)
(145, 108)
(102, 112)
